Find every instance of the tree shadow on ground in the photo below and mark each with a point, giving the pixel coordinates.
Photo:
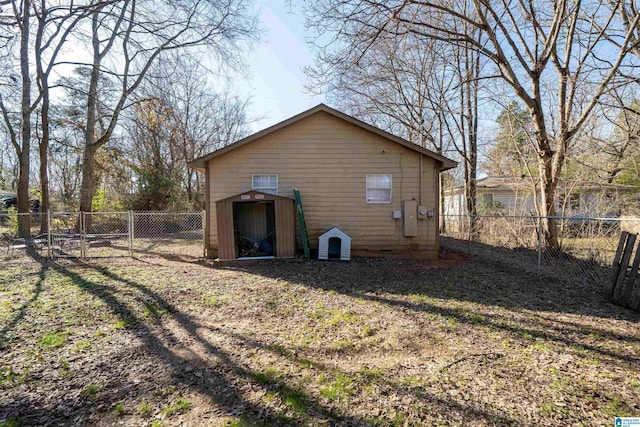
(6, 330)
(222, 383)
(493, 280)
(425, 287)
(470, 412)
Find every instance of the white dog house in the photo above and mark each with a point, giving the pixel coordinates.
(334, 244)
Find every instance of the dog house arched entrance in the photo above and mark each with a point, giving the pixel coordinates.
(334, 244)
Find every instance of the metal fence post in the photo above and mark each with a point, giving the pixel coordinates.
(539, 243)
(49, 253)
(204, 231)
(132, 232)
(82, 236)
(129, 242)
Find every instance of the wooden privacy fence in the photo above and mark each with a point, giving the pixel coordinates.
(625, 289)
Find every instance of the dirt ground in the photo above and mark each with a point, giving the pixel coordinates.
(165, 341)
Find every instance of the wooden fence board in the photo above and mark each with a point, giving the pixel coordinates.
(616, 262)
(624, 289)
(627, 288)
(634, 302)
(624, 265)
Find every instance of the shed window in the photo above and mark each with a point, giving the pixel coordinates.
(265, 183)
(378, 188)
(487, 198)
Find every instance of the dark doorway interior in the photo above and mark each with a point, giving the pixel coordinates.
(335, 247)
(254, 225)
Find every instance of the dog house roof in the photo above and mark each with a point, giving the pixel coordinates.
(334, 232)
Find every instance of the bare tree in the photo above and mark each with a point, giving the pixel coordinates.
(194, 120)
(18, 21)
(128, 37)
(55, 22)
(206, 119)
(390, 87)
(619, 151)
(558, 58)
(38, 45)
(425, 90)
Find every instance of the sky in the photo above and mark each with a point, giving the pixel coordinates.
(275, 77)
(274, 80)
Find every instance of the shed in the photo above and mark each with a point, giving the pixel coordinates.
(254, 224)
(334, 244)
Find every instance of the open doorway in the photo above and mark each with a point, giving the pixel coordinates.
(335, 248)
(254, 225)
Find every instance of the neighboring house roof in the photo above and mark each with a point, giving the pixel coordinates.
(510, 183)
(199, 163)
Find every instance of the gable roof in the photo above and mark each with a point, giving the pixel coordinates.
(200, 162)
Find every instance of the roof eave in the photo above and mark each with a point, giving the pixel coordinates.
(447, 165)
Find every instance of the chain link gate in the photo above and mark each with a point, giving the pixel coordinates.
(65, 235)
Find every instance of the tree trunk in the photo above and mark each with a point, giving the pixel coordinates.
(87, 188)
(44, 165)
(548, 181)
(24, 220)
(547, 206)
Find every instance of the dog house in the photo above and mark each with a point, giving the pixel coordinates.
(255, 225)
(334, 244)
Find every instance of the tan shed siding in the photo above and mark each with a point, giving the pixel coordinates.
(226, 247)
(285, 228)
(328, 159)
(209, 221)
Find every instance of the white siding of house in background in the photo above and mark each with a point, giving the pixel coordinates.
(523, 203)
(513, 203)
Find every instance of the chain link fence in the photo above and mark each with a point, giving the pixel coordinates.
(168, 233)
(583, 253)
(31, 224)
(103, 234)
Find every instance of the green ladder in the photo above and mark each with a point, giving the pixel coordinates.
(303, 225)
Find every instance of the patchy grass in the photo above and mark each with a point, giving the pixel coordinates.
(52, 340)
(118, 410)
(180, 406)
(372, 342)
(90, 391)
(269, 376)
(145, 410)
(339, 388)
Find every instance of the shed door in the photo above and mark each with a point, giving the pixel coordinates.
(254, 228)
